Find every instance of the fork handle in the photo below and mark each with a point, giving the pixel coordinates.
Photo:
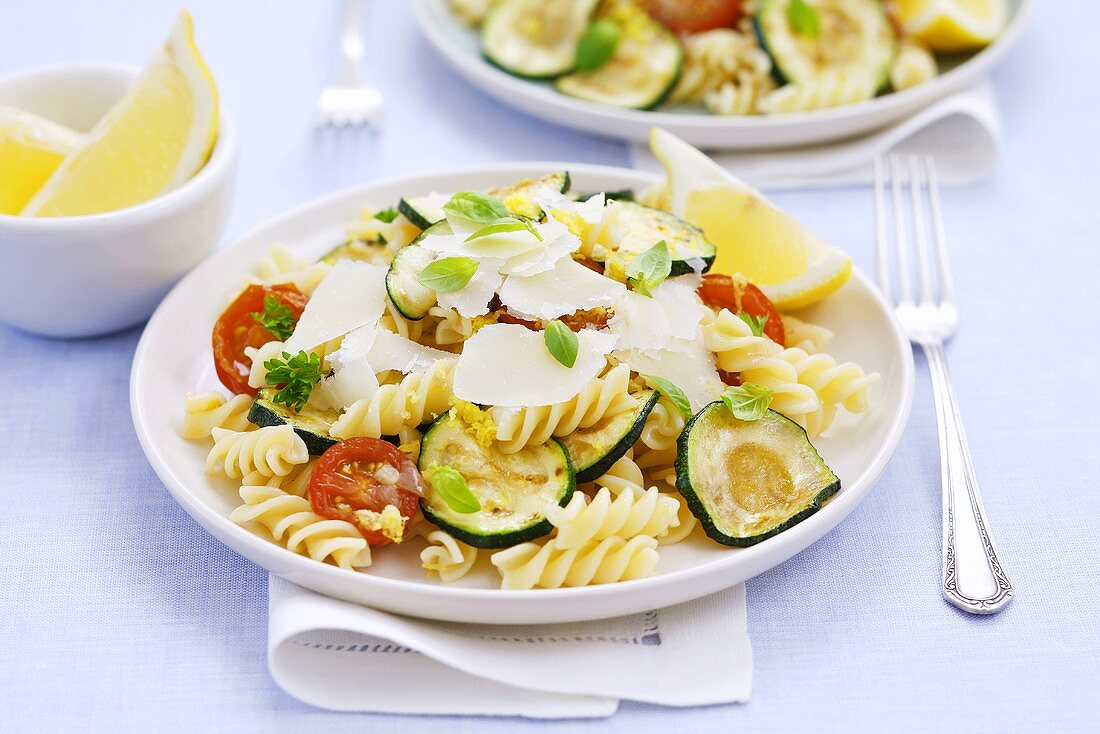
(973, 579)
(350, 71)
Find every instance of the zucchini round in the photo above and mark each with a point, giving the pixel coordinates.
(409, 297)
(354, 250)
(854, 34)
(640, 74)
(513, 489)
(638, 227)
(594, 449)
(519, 197)
(749, 480)
(311, 424)
(423, 211)
(536, 39)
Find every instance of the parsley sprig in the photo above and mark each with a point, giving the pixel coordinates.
(276, 317)
(295, 376)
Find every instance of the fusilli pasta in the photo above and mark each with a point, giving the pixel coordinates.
(203, 413)
(831, 88)
(804, 335)
(624, 515)
(296, 483)
(257, 376)
(446, 556)
(419, 397)
(291, 521)
(451, 327)
(601, 398)
(627, 476)
(663, 425)
(281, 265)
(913, 64)
(724, 70)
(548, 566)
(271, 451)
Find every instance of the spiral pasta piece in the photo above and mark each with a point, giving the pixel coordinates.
(418, 398)
(203, 413)
(831, 88)
(652, 468)
(451, 327)
(806, 336)
(290, 520)
(281, 265)
(626, 515)
(530, 565)
(296, 483)
(446, 556)
(724, 70)
(257, 376)
(394, 321)
(913, 64)
(663, 426)
(603, 397)
(271, 451)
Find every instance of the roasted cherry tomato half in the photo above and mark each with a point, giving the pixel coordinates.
(365, 474)
(236, 329)
(723, 291)
(592, 319)
(692, 16)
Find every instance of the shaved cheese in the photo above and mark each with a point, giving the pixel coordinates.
(473, 300)
(557, 242)
(691, 369)
(668, 320)
(500, 246)
(567, 288)
(394, 352)
(508, 365)
(351, 295)
(353, 375)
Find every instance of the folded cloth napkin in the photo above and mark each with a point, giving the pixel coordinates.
(346, 657)
(962, 132)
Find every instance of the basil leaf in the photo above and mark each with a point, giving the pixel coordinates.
(670, 391)
(747, 402)
(649, 269)
(596, 47)
(756, 323)
(508, 224)
(448, 274)
(804, 19)
(474, 206)
(386, 215)
(452, 488)
(561, 342)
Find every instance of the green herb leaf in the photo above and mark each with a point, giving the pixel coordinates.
(386, 215)
(276, 317)
(649, 269)
(452, 488)
(507, 224)
(448, 274)
(804, 19)
(756, 323)
(561, 342)
(747, 402)
(474, 206)
(596, 47)
(295, 376)
(672, 392)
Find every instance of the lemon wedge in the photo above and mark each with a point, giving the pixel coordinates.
(154, 139)
(953, 25)
(756, 239)
(31, 147)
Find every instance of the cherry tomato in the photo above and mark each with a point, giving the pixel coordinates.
(235, 329)
(364, 474)
(733, 379)
(722, 291)
(594, 319)
(692, 16)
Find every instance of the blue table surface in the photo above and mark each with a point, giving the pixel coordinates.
(117, 612)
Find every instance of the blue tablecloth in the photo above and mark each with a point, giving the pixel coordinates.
(117, 612)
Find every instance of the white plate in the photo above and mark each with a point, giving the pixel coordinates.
(458, 45)
(173, 359)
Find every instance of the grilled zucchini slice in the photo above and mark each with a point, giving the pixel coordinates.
(311, 424)
(594, 449)
(639, 227)
(536, 39)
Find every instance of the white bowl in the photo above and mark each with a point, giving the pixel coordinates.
(99, 273)
(459, 47)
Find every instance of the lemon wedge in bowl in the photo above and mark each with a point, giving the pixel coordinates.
(158, 136)
(756, 239)
(31, 148)
(953, 25)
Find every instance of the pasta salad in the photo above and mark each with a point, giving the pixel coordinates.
(728, 57)
(550, 384)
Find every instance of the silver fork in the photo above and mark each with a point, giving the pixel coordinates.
(349, 100)
(972, 576)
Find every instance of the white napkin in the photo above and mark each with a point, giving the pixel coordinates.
(962, 132)
(346, 657)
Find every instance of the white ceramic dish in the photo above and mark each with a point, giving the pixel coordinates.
(458, 46)
(95, 274)
(173, 358)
